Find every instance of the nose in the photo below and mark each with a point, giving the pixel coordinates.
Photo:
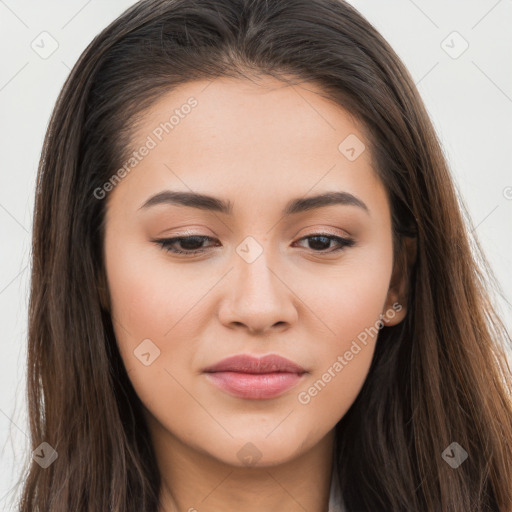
(257, 298)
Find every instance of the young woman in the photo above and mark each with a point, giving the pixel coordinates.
(253, 287)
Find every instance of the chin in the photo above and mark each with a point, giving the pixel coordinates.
(257, 449)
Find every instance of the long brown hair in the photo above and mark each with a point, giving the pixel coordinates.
(440, 376)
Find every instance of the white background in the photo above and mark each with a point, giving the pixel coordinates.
(469, 99)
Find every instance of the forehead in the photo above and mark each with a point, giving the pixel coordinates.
(231, 137)
(231, 115)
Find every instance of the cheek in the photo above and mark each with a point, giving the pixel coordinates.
(157, 308)
(148, 296)
(348, 316)
(347, 348)
(343, 301)
(151, 311)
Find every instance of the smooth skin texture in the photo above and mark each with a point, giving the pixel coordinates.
(259, 146)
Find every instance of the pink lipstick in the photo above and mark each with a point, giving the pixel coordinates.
(255, 378)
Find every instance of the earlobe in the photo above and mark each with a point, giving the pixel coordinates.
(394, 313)
(395, 308)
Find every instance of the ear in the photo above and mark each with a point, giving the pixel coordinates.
(103, 291)
(395, 308)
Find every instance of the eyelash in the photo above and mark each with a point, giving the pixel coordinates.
(166, 243)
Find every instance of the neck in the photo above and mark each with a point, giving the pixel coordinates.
(194, 481)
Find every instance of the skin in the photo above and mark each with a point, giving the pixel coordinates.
(258, 145)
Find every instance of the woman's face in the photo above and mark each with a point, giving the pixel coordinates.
(268, 278)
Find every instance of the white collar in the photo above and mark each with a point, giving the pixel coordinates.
(335, 498)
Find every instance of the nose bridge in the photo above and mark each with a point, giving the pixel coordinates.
(254, 273)
(256, 296)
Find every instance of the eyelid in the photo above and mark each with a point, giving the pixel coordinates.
(342, 241)
(316, 230)
(312, 230)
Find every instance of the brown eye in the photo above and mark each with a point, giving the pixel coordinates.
(189, 244)
(320, 242)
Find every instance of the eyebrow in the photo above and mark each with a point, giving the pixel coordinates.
(214, 204)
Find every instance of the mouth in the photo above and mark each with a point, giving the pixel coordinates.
(249, 377)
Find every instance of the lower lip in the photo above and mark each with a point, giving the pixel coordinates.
(254, 386)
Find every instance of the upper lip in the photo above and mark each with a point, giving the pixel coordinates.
(245, 363)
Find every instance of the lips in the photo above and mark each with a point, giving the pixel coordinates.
(250, 364)
(254, 378)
